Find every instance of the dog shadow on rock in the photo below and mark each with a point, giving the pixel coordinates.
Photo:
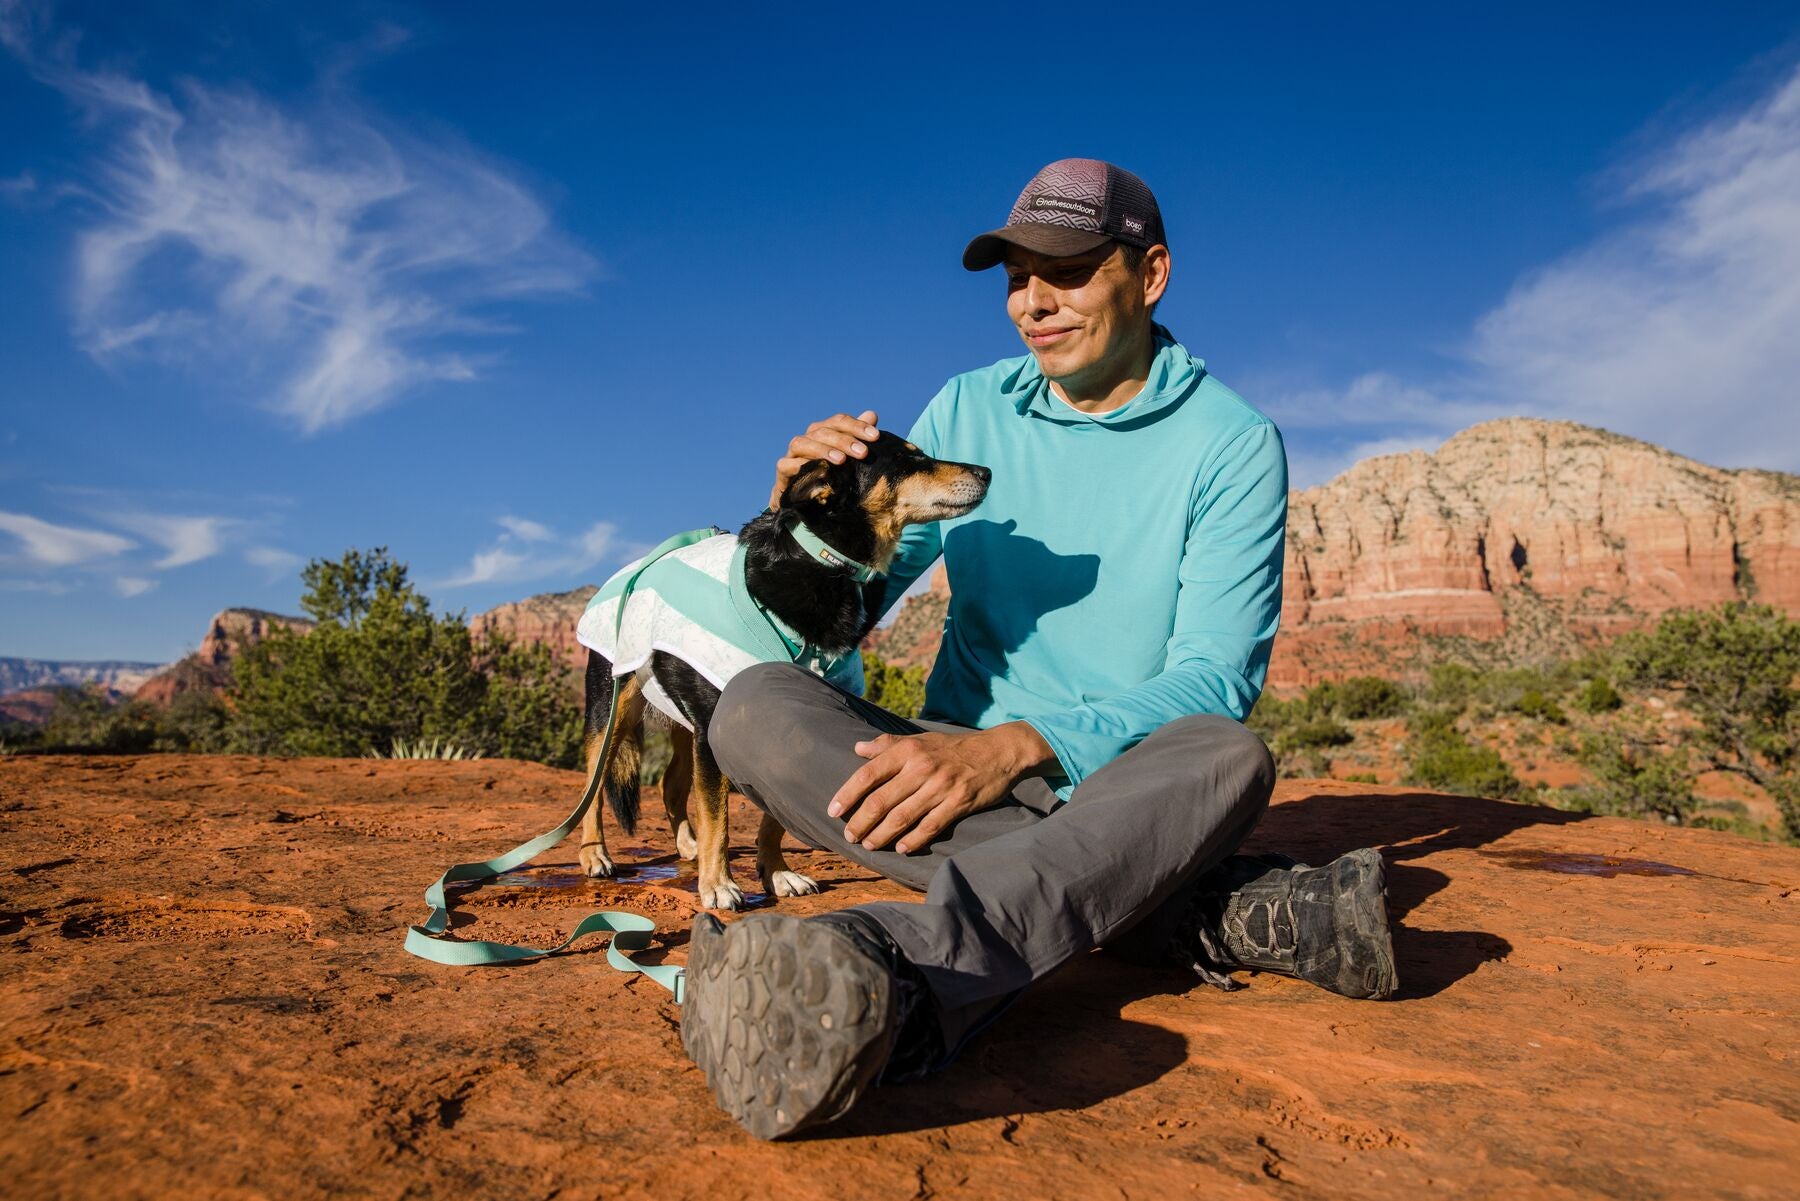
(1408, 827)
(1047, 581)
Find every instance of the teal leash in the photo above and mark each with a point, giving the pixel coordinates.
(631, 932)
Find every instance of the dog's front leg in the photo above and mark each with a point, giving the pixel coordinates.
(712, 841)
(779, 879)
(595, 862)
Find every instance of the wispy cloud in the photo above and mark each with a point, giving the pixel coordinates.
(1678, 326)
(274, 562)
(538, 553)
(186, 539)
(354, 256)
(48, 545)
(131, 585)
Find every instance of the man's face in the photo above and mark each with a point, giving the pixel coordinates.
(1076, 313)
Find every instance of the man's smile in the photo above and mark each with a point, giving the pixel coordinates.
(1047, 337)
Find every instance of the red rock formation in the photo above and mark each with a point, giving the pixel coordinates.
(1529, 536)
(548, 618)
(209, 667)
(1587, 532)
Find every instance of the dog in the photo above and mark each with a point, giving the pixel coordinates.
(852, 514)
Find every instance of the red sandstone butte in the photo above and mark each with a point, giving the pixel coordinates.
(205, 996)
(208, 668)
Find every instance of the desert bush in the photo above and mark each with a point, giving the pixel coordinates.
(1441, 757)
(1734, 670)
(86, 720)
(380, 666)
(899, 690)
(1533, 703)
(1320, 732)
(1634, 776)
(1598, 696)
(1360, 698)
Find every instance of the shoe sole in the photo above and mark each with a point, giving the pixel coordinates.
(789, 1020)
(1365, 944)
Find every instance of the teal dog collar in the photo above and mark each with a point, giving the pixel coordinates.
(817, 547)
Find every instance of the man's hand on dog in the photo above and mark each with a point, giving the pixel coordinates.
(916, 786)
(833, 439)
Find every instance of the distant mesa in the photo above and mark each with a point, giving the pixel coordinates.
(549, 618)
(209, 667)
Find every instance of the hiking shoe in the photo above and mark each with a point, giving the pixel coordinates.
(790, 1019)
(1325, 925)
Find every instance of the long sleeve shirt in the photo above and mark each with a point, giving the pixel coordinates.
(1125, 567)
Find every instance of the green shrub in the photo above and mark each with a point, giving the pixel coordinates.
(1533, 703)
(1598, 696)
(380, 667)
(1451, 684)
(1734, 669)
(86, 720)
(1360, 698)
(1442, 758)
(1322, 732)
(899, 690)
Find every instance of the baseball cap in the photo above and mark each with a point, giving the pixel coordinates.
(1070, 207)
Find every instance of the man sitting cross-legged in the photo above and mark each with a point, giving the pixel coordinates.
(1082, 775)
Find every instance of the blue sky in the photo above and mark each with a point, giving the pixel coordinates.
(515, 289)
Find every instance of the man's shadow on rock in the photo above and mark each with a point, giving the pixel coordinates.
(1062, 1046)
(1407, 827)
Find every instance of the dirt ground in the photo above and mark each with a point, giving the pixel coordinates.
(203, 993)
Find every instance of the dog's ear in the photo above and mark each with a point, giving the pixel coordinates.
(811, 487)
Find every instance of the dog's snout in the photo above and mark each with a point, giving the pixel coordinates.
(981, 473)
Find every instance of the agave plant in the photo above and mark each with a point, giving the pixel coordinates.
(418, 748)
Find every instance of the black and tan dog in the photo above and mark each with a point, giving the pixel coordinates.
(858, 508)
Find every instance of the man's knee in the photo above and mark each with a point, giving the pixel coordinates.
(1224, 753)
(753, 703)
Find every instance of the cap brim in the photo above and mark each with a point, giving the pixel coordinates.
(1053, 240)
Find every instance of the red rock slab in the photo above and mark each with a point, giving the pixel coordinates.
(204, 995)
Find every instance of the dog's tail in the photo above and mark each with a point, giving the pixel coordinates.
(622, 781)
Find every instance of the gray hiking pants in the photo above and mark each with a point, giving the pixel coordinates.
(1013, 892)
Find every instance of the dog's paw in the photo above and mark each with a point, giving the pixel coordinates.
(790, 884)
(724, 895)
(596, 863)
(685, 846)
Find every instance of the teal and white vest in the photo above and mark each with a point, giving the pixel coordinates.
(691, 602)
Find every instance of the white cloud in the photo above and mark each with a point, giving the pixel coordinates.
(274, 561)
(316, 238)
(530, 531)
(129, 585)
(60, 545)
(22, 184)
(1681, 325)
(537, 553)
(186, 539)
(1307, 467)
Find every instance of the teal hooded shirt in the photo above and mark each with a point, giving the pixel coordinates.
(1125, 567)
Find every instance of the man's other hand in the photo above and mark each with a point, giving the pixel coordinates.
(915, 786)
(833, 438)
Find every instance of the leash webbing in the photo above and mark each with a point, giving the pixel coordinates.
(630, 931)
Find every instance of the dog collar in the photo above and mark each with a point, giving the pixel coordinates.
(817, 547)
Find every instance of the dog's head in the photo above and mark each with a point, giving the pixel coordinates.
(861, 505)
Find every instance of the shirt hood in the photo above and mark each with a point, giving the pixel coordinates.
(1174, 374)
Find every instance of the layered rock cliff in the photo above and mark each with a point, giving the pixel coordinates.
(1517, 538)
(209, 667)
(548, 618)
